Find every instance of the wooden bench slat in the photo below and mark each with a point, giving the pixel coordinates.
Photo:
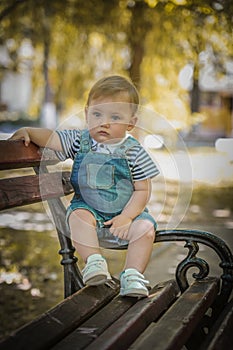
(176, 325)
(46, 330)
(94, 326)
(126, 329)
(33, 188)
(221, 336)
(14, 155)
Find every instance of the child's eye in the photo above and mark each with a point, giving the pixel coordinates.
(97, 114)
(115, 117)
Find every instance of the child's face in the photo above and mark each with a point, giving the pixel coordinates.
(109, 118)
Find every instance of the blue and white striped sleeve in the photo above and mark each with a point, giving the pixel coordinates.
(142, 165)
(70, 141)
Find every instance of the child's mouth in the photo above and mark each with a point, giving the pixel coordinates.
(103, 133)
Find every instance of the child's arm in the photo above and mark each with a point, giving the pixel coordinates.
(40, 136)
(139, 199)
(137, 203)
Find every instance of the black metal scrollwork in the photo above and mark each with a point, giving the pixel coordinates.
(192, 238)
(191, 261)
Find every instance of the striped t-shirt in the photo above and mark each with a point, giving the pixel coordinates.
(140, 163)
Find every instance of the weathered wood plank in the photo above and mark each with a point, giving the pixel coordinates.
(46, 330)
(127, 328)
(33, 188)
(221, 336)
(14, 155)
(90, 329)
(177, 324)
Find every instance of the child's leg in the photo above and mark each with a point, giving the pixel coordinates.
(141, 238)
(83, 233)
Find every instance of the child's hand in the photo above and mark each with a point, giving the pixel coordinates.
(21, 134)
(120, 225)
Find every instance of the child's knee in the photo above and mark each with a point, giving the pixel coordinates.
(143, 229)
(150, 232)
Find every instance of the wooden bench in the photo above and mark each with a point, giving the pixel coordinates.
(178, 314)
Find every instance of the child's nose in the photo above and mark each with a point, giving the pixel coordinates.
(105, 122)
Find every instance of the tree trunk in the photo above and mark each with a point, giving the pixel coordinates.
(139, 27)
(195, 97)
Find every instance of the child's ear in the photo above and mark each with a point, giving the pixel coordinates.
(132, 123)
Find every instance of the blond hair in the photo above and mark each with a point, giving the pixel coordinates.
(112, 85)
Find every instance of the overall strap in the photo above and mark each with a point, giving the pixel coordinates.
(127, 144)
(85, 141)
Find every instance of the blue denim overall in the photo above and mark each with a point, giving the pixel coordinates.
(103, 185)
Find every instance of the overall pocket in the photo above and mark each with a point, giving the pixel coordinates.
(100, 176)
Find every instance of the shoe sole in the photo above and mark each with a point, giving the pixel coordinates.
(134, 293)
(96, 280)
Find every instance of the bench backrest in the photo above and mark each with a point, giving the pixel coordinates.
(23, 190)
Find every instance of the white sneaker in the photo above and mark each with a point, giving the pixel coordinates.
(133, 284)
(96, 271)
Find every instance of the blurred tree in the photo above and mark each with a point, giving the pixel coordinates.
(181, 32)
(137, 30)
(208, 23)
(39, 23)
(150, 40)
